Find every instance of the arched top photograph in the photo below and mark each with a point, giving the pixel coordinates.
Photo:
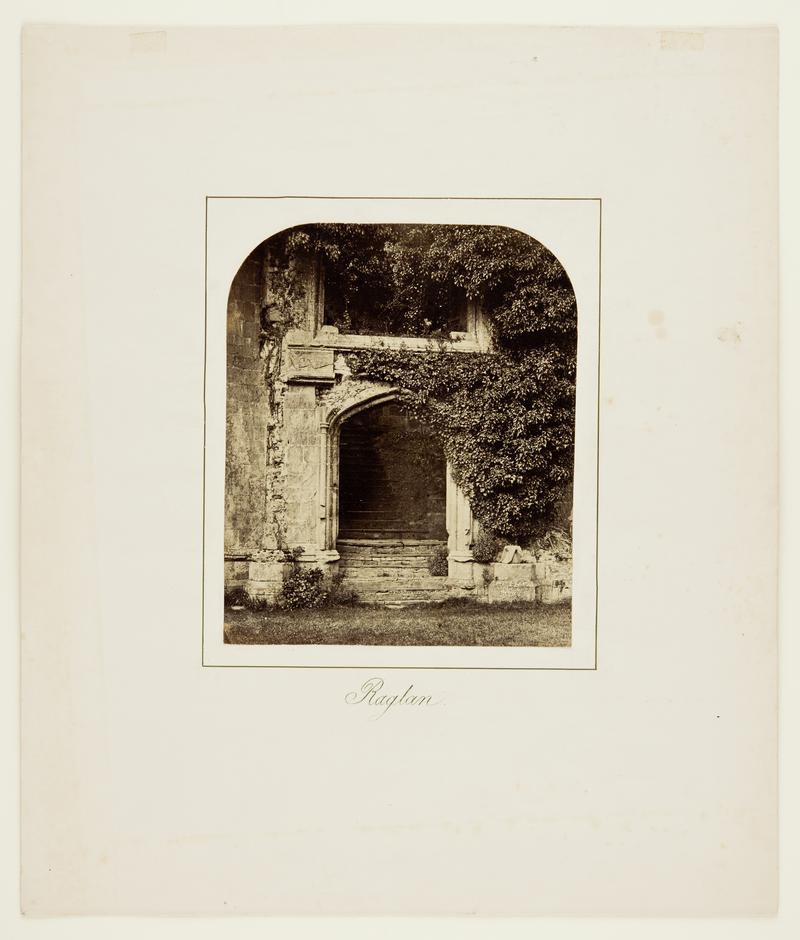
(421, 280)
(400, 438)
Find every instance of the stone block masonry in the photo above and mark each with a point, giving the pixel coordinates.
(247, 417)
(301, 458)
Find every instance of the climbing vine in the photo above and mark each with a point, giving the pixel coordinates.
(505, 425)
(505, 418)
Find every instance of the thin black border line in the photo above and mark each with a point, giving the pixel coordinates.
(597, 445)
(205, 431)
(431, 198)
(593, 668)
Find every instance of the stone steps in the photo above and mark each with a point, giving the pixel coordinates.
(429, 583)
(385, 561)
(391, 571)
(419, 591)
(357, 546)
(383, 557)
(378, 571)
(383, 531)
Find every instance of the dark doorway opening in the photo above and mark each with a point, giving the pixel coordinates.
(391, 477)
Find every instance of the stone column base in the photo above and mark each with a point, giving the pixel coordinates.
(265, 579)
(459, 570)
(328, 560)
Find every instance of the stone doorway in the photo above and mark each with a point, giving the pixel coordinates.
(392, 507)
(392, 478)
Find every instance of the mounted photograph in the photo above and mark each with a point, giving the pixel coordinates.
(400, 422)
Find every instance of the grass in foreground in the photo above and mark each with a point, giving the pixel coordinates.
(448, 624)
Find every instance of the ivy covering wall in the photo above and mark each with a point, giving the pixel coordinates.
(505, 418)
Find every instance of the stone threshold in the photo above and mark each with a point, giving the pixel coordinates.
(344, 543)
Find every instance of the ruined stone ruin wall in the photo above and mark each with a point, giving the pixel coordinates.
(246, 419)
(265, 487)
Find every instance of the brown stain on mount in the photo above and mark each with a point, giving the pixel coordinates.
(730, 334)
(656, 319)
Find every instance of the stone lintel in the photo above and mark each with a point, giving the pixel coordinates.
(308, 365)
(353, 341)
(309, 378)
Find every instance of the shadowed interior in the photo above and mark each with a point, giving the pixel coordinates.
(391, 477)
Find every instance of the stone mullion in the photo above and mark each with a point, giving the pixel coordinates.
(459, 533)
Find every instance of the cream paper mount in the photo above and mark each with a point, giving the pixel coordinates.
(638, 776)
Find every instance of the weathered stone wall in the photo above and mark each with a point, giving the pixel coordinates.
(554, 579)
(301, 425)
(521, 575)
(271, 459)
(246, 416)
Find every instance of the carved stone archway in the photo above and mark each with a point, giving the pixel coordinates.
(337, 406)
(334, 411)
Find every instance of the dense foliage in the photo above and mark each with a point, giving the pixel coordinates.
(437, 562)
(505, 423)
(486, 547)
(414, 279)
(303, 588)
(505, 418)
(308, 588)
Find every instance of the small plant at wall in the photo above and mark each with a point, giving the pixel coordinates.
(338, 594)
(308, 588)
(235, 597)
(437, 561)
(555, 542)
(238, 597)
(486, 547)
(305, 587)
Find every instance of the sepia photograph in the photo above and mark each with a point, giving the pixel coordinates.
(400, 424)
